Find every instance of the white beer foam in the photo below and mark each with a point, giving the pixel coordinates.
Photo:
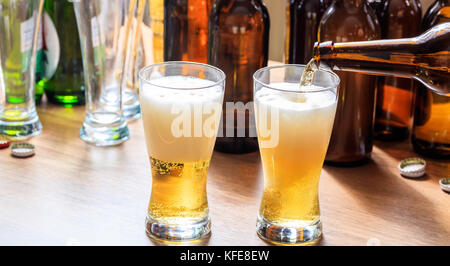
(164, 104)
(295, 101)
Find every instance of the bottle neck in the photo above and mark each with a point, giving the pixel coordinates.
(252, 2)
(351, 3)
(424, 58)
(247, 1)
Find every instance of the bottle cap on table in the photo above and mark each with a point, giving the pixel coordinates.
(4, 143)
(445, 184)
(22, 150)
(412, 167)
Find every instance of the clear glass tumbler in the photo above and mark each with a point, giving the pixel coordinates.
(126, 44)
(105, 35)
(294, 127)
(19, 24)
(181, 109)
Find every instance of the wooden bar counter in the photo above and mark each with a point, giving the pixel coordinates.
(72, 193)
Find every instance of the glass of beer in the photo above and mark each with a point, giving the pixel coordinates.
(181, 108)
(294, 127)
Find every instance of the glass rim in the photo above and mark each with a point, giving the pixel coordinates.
(320, 89)
(222, 76)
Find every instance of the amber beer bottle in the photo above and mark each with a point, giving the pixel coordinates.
(396, 96)
(431, 131)
(186, 30)
(239, 45)
(303, 18)
(351, 141)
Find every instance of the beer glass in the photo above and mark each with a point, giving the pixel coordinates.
(181, 108)
(110, 34)
(124, 43)
(19, 24)
(294, 127)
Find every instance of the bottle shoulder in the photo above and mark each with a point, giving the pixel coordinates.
(438, 13)
(431, 13)
(401, 19)
(403, 8)
(239, 8)
(238, 13)
(341, 24)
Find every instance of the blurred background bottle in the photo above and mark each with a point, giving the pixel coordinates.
(351, 141)
(239, 45)
(396, 96)
(63, 82)
(303, 18)
(431, 131)
(186, 30)
(157, 26)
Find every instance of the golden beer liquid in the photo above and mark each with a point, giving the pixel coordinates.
(307, 77)
(291, 187)
(178, 190)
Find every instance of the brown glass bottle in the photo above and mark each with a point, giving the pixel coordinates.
(303, 17)
(239, 45)
(396, 96)
(186, 30)
(431, 131)
(351, 141)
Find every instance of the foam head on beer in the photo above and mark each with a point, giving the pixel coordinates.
(181, 117)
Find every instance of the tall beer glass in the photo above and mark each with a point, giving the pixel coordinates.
(294, 127)
(19, 23)
(108, 29)
(181, 106)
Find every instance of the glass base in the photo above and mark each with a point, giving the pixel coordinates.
(361, 160)
(131, 106)
(386, 132)
(236, 145)
(74, 98)
(178, 229)
(286, 235)
(431, 149)
(132, 111)
(19, 130)
(104, 134)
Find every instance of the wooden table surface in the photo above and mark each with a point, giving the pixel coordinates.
(72, 193)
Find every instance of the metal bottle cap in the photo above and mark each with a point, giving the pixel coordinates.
(22, 150)
(445, 184)
(4, 143)
(412, 167)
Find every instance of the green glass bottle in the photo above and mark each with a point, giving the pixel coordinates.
(63, 82)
